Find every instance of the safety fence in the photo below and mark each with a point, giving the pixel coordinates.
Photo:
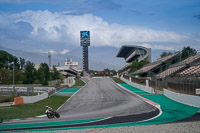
(184, 85)
(187, 87)
(141, 81)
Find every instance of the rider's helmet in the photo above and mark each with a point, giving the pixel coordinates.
(47, 107)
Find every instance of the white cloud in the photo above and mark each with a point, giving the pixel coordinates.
(53, 30)
(64, 51)
(49, 51)
(157, 46)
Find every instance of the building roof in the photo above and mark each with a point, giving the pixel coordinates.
(132, 52)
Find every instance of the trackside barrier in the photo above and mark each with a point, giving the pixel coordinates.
(18, 100)
(183, 98)
(33, 99)
(141, 87)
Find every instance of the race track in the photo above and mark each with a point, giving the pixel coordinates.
(99, 98)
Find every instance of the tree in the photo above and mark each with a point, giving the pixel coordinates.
(137, 65)
(164, 54)
(5, 59)
(16, 62)
(43, 73)
(29, 73)
(22, 62)
(55, 73)
(187, 52)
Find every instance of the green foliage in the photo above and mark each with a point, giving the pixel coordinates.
(187, 52)
(137, 65)
(118, 80)
(22, 62)
(29, 73)
(109, 72)
(6, 99)
(78, 83)
(29, 76)
(5, 59)
(43, 73)
(6, 75)
(55, 74)
(164, 54)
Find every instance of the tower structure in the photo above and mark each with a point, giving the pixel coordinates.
(49, 56)
(85, 42)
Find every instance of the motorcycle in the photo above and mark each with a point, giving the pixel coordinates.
(52, 114)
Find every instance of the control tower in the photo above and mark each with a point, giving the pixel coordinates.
(85, 42)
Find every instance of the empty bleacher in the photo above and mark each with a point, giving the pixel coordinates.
(158, 66)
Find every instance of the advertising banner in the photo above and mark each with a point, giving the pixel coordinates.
(85, 38)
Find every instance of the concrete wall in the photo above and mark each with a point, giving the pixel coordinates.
(69, 82)
(54, 82)
(183, 98)
(33, 99)
(141, 87)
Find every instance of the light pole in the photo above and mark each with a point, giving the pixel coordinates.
(14, 78)
(13, 73)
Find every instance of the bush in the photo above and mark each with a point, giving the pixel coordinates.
(6, 99)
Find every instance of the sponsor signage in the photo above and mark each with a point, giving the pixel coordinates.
(71, 63)
(197, 90)
(85, 38)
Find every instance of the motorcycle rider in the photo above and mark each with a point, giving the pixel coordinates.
(49, 109)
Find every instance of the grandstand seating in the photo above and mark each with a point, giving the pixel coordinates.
(192, 71)
(179, 66)
(156, 64)
(170, 71)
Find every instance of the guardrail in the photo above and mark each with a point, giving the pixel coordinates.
(142, 87)
(33, 99)
(183, 98)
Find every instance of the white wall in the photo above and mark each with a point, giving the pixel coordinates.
(141, 87)
(183, 98)
(69, 81)
(33, 99)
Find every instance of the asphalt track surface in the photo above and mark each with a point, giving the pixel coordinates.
(99, 98)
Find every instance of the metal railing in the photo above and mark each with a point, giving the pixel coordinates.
(184, 85)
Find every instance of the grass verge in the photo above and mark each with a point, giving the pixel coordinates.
(32, 109)
(78, 84)
(118, 80)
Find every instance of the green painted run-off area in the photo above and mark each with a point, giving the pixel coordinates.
(69, 90)
(171, 110)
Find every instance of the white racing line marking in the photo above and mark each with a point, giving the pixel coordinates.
(30, 118)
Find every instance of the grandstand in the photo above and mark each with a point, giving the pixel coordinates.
(158, 66)
(180, 66)
(133, 53)
(169, 73)
(192, 71)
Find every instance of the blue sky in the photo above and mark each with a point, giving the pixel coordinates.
(54, 25)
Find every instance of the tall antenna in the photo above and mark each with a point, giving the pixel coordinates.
(49, 56)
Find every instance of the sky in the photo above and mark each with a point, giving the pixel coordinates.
(55, 25)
